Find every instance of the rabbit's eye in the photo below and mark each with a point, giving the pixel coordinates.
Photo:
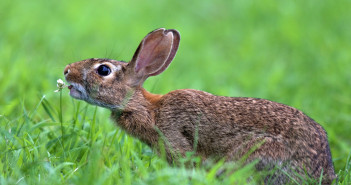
(103, 70)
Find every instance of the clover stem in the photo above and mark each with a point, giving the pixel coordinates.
(61, 121)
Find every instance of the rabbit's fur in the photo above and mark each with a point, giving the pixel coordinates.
(225, 127)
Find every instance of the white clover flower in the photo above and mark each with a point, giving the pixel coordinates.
(60, 85)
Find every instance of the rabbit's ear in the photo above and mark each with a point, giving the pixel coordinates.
(154, 54)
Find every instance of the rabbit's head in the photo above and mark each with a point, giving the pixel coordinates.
(106, 82)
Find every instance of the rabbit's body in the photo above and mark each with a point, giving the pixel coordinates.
(191, 120)
(230, 127)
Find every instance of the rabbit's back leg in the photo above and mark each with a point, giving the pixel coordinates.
(272, 154)
(275, 172)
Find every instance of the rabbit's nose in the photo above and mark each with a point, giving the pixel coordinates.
(67, 70)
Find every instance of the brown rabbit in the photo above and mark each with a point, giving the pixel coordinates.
(228, 127)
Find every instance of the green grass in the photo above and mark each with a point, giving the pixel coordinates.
(292, 52)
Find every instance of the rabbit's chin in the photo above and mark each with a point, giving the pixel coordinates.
(77, 91)
(75, 94)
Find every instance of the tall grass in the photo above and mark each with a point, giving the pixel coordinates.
(37, 155)
(293, 52)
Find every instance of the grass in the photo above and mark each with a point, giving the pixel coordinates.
(293, 52)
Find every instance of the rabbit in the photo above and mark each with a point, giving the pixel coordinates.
(225, 127)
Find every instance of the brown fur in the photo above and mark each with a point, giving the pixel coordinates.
(152, 98)
(227, 127)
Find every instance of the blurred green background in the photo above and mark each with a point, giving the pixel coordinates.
(293, 52)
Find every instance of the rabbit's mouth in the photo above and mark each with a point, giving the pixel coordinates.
(77, 91)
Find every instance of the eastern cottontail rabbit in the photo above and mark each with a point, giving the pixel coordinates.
(225, 126)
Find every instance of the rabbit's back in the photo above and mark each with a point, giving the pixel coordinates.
(231, 127)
